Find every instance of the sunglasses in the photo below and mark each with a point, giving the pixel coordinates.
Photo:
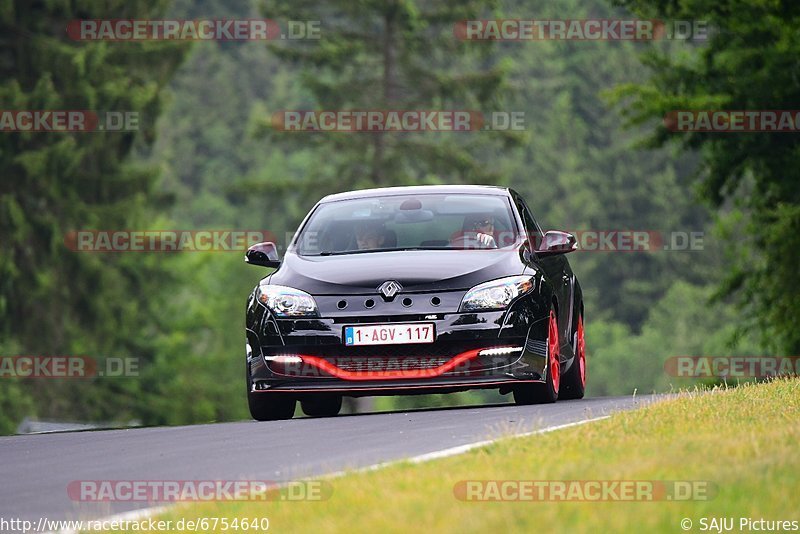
(484, 222)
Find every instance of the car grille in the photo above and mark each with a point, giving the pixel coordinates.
(370, 319)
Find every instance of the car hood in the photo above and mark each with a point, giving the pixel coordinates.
(415, 270)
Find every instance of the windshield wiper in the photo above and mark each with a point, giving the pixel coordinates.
(356, 251)
(368, 250)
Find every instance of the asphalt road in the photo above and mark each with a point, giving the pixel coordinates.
(36, 469)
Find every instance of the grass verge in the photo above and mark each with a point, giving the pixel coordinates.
(741, 440)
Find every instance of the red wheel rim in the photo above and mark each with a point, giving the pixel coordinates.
(581, 351)
(552, 349)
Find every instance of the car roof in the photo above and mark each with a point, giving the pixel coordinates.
(418, 190)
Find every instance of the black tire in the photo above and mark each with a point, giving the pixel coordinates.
(322, 405)
(269, 406)
(573, 383)
(526, 394)
(546, 393)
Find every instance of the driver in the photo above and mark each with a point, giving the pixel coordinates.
(478, 229)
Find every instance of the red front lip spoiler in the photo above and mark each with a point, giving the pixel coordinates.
(389, 375)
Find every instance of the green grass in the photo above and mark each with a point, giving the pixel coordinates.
(743, 440)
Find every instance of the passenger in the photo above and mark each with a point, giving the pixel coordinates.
(370, 235)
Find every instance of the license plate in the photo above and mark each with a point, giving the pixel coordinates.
(389, 334)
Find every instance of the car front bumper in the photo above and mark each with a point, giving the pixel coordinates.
(493, 349)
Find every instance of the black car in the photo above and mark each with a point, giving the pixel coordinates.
(410, 290)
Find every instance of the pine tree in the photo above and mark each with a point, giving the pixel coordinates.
(54, 300)
(392, 55)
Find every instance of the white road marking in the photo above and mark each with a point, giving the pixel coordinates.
(461, 449)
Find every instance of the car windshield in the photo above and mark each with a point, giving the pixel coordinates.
(428, 221)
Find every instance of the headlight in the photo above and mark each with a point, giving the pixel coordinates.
(287, 301)
(497, 294)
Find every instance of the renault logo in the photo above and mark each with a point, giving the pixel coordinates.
(389, 289)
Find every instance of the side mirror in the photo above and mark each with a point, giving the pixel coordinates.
(264, 254)
(555, 242)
